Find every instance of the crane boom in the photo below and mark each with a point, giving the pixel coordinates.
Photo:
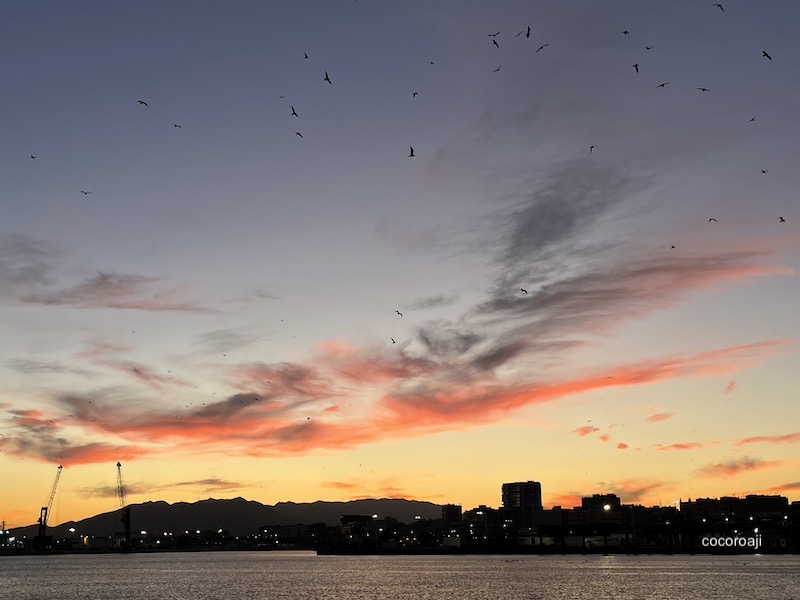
(120, 487)
(43, 514)
(124, 508)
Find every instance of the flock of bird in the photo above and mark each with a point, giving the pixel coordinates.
(527, 33)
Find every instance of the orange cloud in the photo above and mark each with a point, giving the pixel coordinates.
(681, 446)
(604, 437)
(737, 466)
(585, 430)
(787, 438)
(622, 446)
(289, 411)
(659, 417)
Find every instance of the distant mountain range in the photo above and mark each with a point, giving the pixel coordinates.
(238, 516)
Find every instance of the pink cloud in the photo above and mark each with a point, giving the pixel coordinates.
(585, 430)
(787, 438)
(622, 446)
(663, 416)
(737, 466)
(729, 388)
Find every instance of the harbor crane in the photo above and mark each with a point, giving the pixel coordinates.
(124, 508)
(41, 540)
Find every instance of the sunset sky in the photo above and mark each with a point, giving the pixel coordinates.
(218, 312)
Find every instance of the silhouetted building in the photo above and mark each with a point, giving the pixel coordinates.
(520, 500)
(452, 514)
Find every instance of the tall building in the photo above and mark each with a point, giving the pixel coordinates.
(520, 500)
(451, 513)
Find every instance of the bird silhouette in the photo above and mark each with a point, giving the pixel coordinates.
(294, 112)
(33, 157)
(328, 79)
(497, 69)
(781, 220)
(765, 54)
(648, 47)
(143, 102)
(523, 290)
(702, 89)
(764, 170)
(305, 55)
(542, 47)
(493, 34)
(625, 32)
(719, 6)
(751, 120)
(85, 193)
(399, 313)
(495, 43)
(393, 340)
(297, 133)
(592, 147)
(636, 66)
(712, 219)
(414, 94)
(176, 125)
(528, 33)
(666, 83)
(410, 155)
(672, 247)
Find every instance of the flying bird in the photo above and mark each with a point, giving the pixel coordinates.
(328, 79)
(702, 89)
(410, 155)
(592, 147)
(85, 193)
(781, 220)
(672, 247)
(143, 102)
(414, 94)
(528, 33)
(765, 54)
(523, 290)
(493, 34)
(712, 219)
(663, 84)
(764, 170)
(648, 47)
(495, 43)
(294, 112)
(32, 156)
(626, 32)
(753, 119)
(399, 313)
(542, 47)
(393, 340)
(497, 69)
(297, 133)
(719, 6)
(176, 125)
(305, 55)
(636, 66)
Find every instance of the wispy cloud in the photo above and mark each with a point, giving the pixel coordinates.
(585, 430)
(139, 488)
(737, 466)
(786, 438)
(681, 446)
(729, 388)
(662, 416)
(436, 301)
(115, 290)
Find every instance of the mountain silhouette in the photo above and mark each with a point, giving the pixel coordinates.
(237, 516)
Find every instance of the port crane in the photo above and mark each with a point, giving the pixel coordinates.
(124, 508)
(41, 538)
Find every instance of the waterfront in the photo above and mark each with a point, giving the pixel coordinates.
(306, 576)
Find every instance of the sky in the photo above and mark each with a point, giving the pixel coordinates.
(581, 277)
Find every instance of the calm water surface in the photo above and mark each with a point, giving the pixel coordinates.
(303, 575)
